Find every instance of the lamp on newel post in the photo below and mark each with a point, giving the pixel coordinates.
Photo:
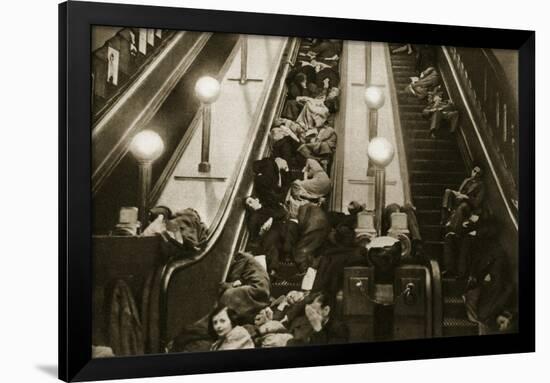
(207, 90)
(374, 98)
(380, 152)
(146, 147)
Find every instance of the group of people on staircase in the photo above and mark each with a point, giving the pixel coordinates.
(472, 253)
(439, 109)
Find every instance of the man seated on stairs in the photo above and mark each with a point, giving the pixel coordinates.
(440, 112)
(340, 251)
(490, 297)
(461, 249)
(267, 229)
(459, 204)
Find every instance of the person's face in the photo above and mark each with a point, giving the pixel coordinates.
(316, 307)
(476, 172)
(253, 203)
(221, 323)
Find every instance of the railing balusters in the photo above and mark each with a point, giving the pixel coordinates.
(489, 92)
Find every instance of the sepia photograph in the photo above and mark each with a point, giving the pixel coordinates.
(253, 191)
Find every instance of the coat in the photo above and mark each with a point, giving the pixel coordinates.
(322, 145)
(474, 188)
(253, 295)
(237, 338)
(270, 184)
(125, 330)
(188, 229)
(318, 185)
(309, 236)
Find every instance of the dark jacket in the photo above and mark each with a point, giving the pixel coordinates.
(270, 184)
(474, 188)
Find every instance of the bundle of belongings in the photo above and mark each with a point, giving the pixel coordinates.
(184, 227)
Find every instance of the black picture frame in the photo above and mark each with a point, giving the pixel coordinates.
(75, 282)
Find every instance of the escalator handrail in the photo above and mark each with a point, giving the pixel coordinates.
(98, 116)
(218, 223)
(437, 298)
(118, 150)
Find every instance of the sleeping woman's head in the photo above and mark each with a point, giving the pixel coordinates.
(221, 322)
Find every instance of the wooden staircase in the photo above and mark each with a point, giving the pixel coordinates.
(434, 165)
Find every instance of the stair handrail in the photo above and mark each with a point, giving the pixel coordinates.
(175, 265)
(494, 103)
(479, 122)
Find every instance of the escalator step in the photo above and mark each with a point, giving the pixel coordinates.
(423, 176)
(459, 327)
(453, 307)
(434, 154)
(428, 217)
(431, 232)
(427, 202)
(431, 143)
(439, 164)
(429, 189)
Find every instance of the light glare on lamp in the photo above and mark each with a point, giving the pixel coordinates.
(147, 146)
(374, 97)
(380, 151)
(207, 89)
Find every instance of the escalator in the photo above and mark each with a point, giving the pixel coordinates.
(161, 99)
(193, 282)
(434, 165)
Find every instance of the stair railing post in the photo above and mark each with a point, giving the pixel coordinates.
(207, 90)
(374, 98)
(380, 152)
(146, 147)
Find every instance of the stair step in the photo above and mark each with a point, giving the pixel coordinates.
(430, 189)
(423, 202)
(412, 108)
(406, 60)
(283, 287)
(413, 116)
(435, 153)
(401, 67)
(453, 307)
(435, 164)
(437, 177)
(458, 327)
(432, 249)
(428, 216)
(421, 133)
(453, 287)
(430, 143)
(413, 124)
(431, 232)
